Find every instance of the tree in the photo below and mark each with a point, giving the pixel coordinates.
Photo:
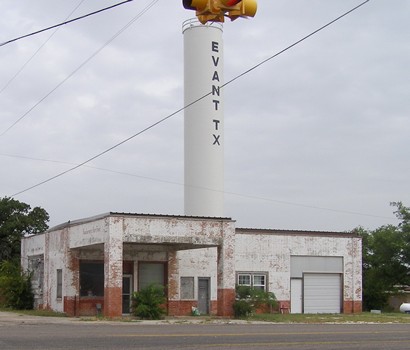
(17, 220)
(15, 287)
(386, 263)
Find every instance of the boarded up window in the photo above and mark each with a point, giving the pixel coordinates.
(150, 273)
(187, 288)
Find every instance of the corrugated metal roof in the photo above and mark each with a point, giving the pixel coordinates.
(237, 230)
(173, 216)
(293, 232)
(105, 215)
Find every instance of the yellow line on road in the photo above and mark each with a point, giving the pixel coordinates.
(303, 343)
(250, 334)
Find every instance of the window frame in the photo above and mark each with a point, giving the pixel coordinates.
(252, 275)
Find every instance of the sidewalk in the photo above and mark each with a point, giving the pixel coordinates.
(20, 318)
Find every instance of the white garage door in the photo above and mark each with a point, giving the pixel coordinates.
(322, 293)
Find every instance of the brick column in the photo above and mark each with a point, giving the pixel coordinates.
(226, 270)
(113, 261)
(173, 284)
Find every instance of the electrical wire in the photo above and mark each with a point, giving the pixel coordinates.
(151, 4)
(64, 23)
(186, 106)
(37, 51)
(236, 194)
(296, 42)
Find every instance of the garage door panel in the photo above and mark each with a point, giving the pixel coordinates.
(322, 293)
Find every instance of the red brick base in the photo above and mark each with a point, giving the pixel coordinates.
(84, 306)
(184, 307)
(181, 307)
(352, 307)
(226, 298)
(87, 306)
(113, 302)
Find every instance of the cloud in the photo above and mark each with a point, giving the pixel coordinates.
(321, 127)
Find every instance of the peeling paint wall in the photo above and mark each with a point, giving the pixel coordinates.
(172, 230)
(89, 233)
(271, 253)
(220, 253)
(199, 263)
(32, 260)
(55, 258)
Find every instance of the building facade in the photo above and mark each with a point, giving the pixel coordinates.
(94, 265)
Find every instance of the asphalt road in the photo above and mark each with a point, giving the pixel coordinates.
(47, 333)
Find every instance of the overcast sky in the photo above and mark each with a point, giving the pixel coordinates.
(315, 139)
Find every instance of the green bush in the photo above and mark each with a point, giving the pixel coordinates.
(242, 308)
(148, 302)
(249, 299)
(15, 287)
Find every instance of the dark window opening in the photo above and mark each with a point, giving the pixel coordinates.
(91, 279)
(59, 284)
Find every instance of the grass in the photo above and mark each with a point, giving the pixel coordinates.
(365, 317)
(43, 313)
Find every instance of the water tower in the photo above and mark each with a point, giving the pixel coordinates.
(203, 96)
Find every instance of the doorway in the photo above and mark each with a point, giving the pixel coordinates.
(126, 293)
(296, 297)
(203, 295)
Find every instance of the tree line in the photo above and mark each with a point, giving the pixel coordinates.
(386, 259)
(17, 220)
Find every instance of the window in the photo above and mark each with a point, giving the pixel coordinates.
(244, 280)
(59, 284)
(259, 281)
(252, 279)
(187, 288)
(91, 278)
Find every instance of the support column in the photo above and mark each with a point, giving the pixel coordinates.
(226, 271)
(174, 300)
(113, 262)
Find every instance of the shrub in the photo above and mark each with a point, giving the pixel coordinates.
(15, 287)
(249, 299)
(242, 308)
(148, 302)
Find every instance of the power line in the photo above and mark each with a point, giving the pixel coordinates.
(297, 42)
(188, 105)
(37, 51)
(65, 22)
(236, 194)
(151, 4)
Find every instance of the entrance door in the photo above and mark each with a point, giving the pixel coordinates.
(203, 295)
(296, 296)
(126, 293)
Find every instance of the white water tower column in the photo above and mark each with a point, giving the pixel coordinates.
(203, 120)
